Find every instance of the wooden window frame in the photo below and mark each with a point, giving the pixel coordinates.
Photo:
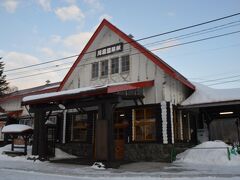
(104, 68)
(95, 69)
(115, 65)
(125, 63)
(146, 124)
(83, 126)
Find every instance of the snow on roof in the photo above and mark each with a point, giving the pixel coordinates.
(15, 128)
(204, 94)
(71, 91)
(53, 94)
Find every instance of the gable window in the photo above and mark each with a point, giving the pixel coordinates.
(144, 125)
(125, 63)
(114, 65)
(95, 70)
(79, 127)
(104, 68)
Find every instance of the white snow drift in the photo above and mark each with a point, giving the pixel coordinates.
(203, 154)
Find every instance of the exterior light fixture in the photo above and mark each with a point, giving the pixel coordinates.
(224, 113)
(122, 115)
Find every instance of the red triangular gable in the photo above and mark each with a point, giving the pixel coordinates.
(155, 59)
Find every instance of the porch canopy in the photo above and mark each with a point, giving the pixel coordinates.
(218, 108)
(84, 92)
(205, 96)
(213, 102)
(105, 98)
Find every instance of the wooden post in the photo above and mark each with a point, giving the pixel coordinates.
(42, 138)
(109, 118)
(39, 135)
(35, 133)
(105, 149)
(25, 137)
(101, 136)
(12, 143)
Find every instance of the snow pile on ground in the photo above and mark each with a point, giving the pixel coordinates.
(98, 165)
(59, 154)
(4, 156)
(209, 153)
(15, 128)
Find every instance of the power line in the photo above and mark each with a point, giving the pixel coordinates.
(195, 33)
(188, 27)
(156, 49)
(38, 74)
(212, 80)
(198, 40)
(224, 82)
(47, 62)
(141, 39)
(39, 69)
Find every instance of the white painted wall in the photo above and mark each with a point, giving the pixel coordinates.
(141, 69)
(14, 105)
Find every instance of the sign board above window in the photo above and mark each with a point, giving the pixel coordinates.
(109, 50)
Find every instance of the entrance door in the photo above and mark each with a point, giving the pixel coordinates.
(120, 125)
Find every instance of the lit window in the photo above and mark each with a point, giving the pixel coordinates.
(114, 65)
(95, 70)
(79, 128)
(104, 68)
(144, 125)
(125, 63)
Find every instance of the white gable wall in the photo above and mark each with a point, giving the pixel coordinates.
(174, 90)
(141, 69)
(14, 105)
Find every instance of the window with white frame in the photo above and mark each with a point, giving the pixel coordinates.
(114, 65)
(125, 63)
(95, 70)
(104, 68)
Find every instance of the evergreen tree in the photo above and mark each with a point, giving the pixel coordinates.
(3, 82)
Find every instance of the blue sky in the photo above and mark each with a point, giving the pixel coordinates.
(34, 31)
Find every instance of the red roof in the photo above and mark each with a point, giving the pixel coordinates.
(85, 92)
(31, 91)
(155, 59)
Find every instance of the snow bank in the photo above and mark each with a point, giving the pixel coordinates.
(3, 156)
(98, 165)
(204, 94)
(209, 156)
(15, 128)
(59, 154)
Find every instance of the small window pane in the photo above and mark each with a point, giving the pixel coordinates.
(114, 65)
(79, 128)
(95, 70)
(104, 68)
(144, 125)
(125, 63)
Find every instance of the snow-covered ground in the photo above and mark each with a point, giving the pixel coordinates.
(185, 168)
